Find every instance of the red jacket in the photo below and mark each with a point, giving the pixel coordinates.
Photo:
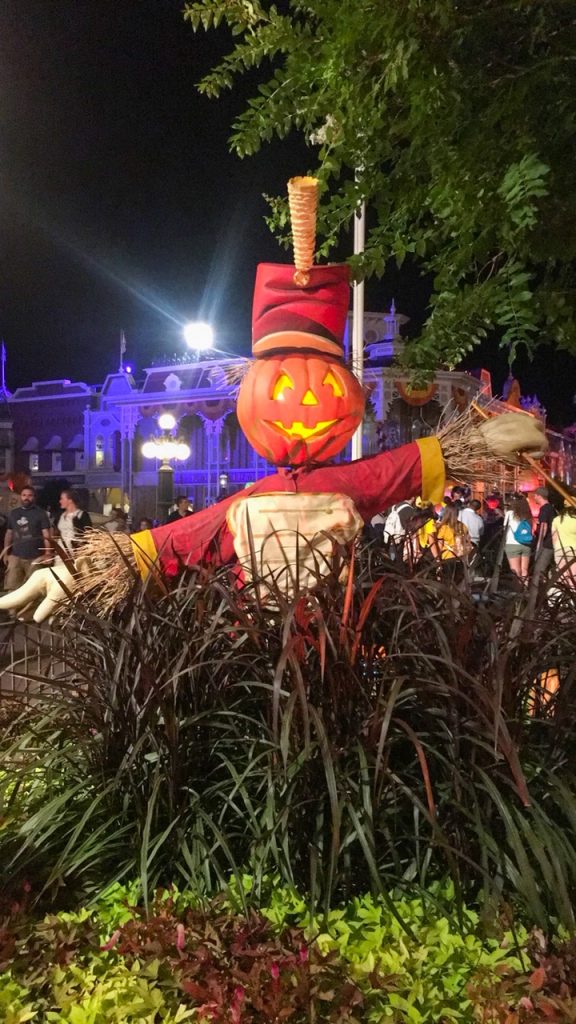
(373, 484)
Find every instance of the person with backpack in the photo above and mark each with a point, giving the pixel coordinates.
(422, 532)
(72, 522)
(454, 544)
(519, 536)
(395, 528)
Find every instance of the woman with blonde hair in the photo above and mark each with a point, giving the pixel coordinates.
(454, 543)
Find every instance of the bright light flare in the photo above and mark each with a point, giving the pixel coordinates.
(166, 450)
(199, 336)
(183, 451)
(166, 421)
(149, 450)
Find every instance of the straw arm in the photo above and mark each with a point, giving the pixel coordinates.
(529, 460)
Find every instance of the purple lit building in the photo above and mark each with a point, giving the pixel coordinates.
(92, 436)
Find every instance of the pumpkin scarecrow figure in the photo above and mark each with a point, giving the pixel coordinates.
(298, 405)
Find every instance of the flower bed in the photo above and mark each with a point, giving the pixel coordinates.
(370, 961)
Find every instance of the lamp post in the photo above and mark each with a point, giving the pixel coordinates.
(165, 449)
(358, 318)
(223, 481)
(199, 337)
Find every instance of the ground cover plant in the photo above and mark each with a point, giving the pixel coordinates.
(388, 735)
(209, 961)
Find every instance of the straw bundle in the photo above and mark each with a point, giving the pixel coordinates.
(112, 568)
(230, 375)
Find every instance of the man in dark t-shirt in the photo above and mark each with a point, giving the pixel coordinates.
(182, 510)
(27, 539)
(543, 550)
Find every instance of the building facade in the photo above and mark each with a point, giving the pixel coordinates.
(91, 437)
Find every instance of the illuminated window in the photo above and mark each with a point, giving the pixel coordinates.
(99, 450)
(78, 460)
(33, 462)
(56, 462)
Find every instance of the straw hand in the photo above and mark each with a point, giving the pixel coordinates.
(513, 433)
(50, 587)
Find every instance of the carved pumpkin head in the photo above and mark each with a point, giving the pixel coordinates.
(299, 408)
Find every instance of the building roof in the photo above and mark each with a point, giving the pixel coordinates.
(197, 376)
(51, 389)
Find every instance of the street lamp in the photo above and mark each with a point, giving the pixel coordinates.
(199, 336)
(166, 421)
(223, 481)
(165, 449)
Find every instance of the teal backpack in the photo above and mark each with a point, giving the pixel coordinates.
(523, 533)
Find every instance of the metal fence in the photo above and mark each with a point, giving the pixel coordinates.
(30, 657)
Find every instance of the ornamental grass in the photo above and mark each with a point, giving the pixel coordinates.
(379, 737)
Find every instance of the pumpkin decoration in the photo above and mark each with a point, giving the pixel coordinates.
(298, 408)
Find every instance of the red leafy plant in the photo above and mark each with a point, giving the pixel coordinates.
(233, 969)
(29, 947)
(236, 970)
(547, 992)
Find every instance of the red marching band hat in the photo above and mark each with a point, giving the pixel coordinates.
(289, 315)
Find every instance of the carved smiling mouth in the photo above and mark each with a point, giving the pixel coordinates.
(297, 429)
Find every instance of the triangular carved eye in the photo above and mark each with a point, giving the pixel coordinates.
(337, 388)
(280, 386)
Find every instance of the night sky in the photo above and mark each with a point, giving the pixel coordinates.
(121, 207)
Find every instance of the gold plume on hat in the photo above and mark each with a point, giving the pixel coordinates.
(303, 202)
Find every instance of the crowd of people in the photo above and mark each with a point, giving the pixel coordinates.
(34, 538)
(528, 534)
(461, 535)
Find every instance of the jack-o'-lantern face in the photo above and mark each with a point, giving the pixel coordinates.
(299, 408)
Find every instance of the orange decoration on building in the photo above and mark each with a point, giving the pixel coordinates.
(415, 396)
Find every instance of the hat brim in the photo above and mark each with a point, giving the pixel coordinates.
(296, 340)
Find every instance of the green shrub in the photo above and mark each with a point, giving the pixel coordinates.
(428, 958)
(110, 994)
(15, 1004)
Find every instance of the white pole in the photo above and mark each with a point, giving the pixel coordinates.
(358, 318)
